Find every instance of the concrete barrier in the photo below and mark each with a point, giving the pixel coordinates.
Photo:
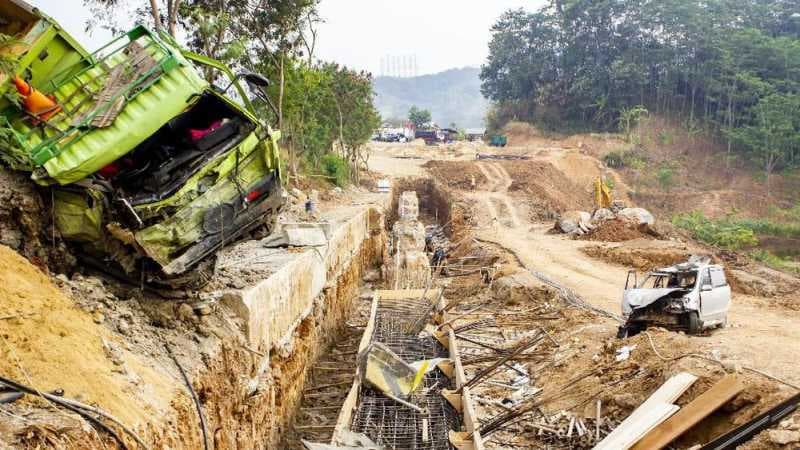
(273, 307)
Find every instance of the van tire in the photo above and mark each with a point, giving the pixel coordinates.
(693, 322)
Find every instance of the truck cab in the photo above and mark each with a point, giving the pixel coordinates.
(693, 296)
(152, 169)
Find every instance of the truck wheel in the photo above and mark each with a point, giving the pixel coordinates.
(693, 322)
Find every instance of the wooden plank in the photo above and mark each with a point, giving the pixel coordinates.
(698, 409)
(635, 423)
(351, 401)
(655, 414)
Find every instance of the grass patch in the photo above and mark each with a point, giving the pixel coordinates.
(774, 261)
(725, 233)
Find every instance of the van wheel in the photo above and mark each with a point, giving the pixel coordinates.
(693, 322)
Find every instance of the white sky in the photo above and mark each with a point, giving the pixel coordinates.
(442, 34)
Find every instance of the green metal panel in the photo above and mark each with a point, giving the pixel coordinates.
(70, 149)
(44, 50)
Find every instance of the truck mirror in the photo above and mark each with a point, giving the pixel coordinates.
(256, 80)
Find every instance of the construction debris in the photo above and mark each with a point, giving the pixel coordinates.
(656, 409)
(699, 408)
(407, 264)
(606, 225)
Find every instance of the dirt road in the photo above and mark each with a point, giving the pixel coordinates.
(759, 336)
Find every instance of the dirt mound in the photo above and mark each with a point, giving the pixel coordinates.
(618, 230)
(456, 174)
(521, 134)
(643, 254)
(715, 203)
(49, 343)
(548, 190)
(25, 228)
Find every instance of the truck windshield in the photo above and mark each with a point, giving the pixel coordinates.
(683, 280)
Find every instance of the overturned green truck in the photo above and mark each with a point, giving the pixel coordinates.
(151, 168)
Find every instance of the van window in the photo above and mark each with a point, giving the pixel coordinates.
(718, 278)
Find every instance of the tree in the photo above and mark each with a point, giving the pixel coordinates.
(594, 63)
(419, 117)
(160, 14)
(775, 132)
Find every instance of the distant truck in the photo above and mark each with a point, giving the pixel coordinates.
(151, 168)
(693, 296)
(431, 137)
(498, 140)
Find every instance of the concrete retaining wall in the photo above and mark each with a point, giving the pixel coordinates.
(273, 308)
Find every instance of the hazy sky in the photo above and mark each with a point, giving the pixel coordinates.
(442, 34)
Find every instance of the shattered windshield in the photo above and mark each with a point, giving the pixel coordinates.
(683, 280)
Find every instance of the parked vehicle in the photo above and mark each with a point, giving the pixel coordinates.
(431, 137)
(498, 140)
(151, 168)
(693, 296)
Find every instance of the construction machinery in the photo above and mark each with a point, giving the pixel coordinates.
(603, 198)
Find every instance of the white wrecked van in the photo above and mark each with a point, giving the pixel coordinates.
(693, 296)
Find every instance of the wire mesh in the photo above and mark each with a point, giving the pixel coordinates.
(390, 423)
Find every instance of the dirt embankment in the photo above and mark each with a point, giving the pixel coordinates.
(546, 189)
(106, 344)
(460, 175)
(24, 227)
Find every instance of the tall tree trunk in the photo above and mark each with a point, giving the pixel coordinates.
(156, 14)
(281, 90)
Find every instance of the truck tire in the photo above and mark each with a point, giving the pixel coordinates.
(693, 322)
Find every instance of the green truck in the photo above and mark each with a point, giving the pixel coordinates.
(498, 140)
(151, 168)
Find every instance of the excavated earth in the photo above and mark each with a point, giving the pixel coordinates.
(240, 350)
(507, 212)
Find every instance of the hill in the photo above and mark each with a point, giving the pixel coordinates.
(451, 96)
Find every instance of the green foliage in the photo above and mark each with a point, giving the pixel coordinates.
(629, 118)
(726, 233)
(419, 117)
(666, 177)
(729, 67)
(10, 151)
(614, 160)
(774, 261)
(326, 105)
(772, 228)
(619, 159)
(336, 169)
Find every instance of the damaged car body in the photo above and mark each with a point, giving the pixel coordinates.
(692, 296)
(150, 167)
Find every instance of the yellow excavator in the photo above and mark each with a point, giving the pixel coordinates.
(603, 197)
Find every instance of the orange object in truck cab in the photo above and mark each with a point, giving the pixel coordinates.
(35, 102)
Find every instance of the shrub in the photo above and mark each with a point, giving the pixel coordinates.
(665, 177)
(773, 260)
(725, 233)
(335, 167)
(618, 159)
(614, 160)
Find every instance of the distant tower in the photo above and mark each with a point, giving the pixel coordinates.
(414, 70)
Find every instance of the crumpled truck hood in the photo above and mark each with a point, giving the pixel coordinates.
(640, 298)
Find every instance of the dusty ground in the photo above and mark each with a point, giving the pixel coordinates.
(761, 331)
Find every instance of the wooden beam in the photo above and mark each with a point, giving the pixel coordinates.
(698, 409)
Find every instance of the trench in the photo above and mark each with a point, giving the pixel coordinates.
(331, 377)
